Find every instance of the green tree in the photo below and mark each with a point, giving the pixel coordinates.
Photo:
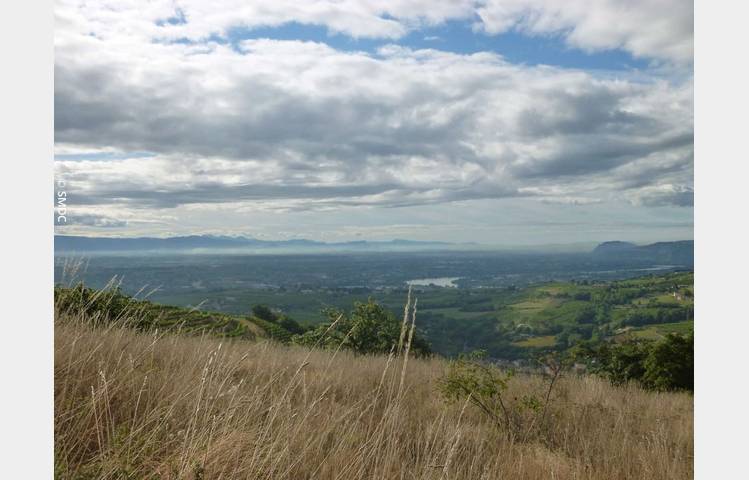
(670, 364)
(664, 365)
(291, 325)
(368, 328)
(263, 312)
(619, 363)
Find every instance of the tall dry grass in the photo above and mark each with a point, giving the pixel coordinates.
(161, 405)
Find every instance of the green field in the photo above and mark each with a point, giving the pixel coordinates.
(658, 331)
(507, 322)
(536, 342)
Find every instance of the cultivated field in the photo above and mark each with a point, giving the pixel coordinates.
(162, 405)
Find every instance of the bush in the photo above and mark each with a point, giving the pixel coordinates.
(665, 365)
(108, 304)
(291, 325)
(670, 364)
(263, 312)
(484, 385)
(368, 328)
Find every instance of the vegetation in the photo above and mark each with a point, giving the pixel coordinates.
(368, 328)
(485, 385)
(513, 305)
(111, 305)
(667, 364)
(508, 323)
(150, 403)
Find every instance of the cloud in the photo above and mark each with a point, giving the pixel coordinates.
(300, 120)
(662, 29)
(658, 29)
(664, 195)
(92, 220)
(298, 126)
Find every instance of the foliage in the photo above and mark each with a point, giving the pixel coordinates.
(619, 363)
(106, 305)
(508, 322)
(81, 299)
(291, 325)
(110, 305)
(670, 364)
(664, 365)
(273, 330)
(368, 328)
(658, 315)
(472, 378)
(277, 325)
(263, 312)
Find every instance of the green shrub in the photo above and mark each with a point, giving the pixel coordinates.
(670, 364)
(273, 330)
(264, 312)
(665, 365)
(474, 379)
(368, 328)
(291, 325)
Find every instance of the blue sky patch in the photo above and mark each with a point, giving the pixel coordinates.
(456, 37)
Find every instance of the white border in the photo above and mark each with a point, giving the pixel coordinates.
(26, 341)
(722, 324)
(721, 267)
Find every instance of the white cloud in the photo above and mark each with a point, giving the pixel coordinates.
(285, 119)
(661, 29)
(664, 194)
(299, 126)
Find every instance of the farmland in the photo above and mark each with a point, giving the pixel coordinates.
(516, 317)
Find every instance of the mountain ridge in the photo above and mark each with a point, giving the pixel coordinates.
(680, 252)
(676, 252)
(73, 243)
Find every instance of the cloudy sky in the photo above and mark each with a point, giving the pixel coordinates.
(504, 122)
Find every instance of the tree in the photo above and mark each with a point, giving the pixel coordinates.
(263, 312)
(670, 364)
(368, 328)
(586, 315)
(664, 365)
(619, 363)
(291, 325)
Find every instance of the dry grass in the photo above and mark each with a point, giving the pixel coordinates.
(135, 405)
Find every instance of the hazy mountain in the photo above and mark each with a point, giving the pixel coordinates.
(77, 244)
(670, 253)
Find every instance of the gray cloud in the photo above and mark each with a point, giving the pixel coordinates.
(285, 120)
(301, 126)
(92, 220)
(665, 195)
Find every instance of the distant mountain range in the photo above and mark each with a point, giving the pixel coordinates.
(668, 253)
(76, 244)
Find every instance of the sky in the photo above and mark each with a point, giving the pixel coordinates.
(501, 122)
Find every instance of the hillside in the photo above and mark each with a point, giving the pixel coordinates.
(516, 323)
(509, 323)
(155, 404)
(110, 305)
